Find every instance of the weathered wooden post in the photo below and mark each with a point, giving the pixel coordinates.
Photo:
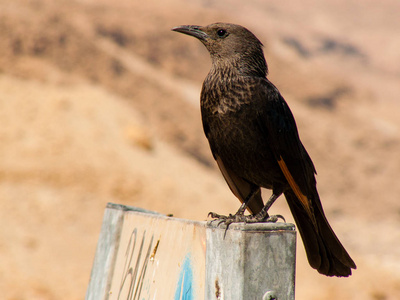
(145, 255)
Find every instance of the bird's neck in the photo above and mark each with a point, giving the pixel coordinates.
(224, 71)
(253, 65)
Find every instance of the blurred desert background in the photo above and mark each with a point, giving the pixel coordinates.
(99, 102)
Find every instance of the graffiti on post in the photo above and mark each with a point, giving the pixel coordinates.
(184, 289)
(134, 268)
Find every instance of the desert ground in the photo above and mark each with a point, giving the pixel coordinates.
(99, 102)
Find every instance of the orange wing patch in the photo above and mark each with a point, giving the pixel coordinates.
(303, 198)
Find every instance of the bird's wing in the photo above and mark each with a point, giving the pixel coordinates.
(324, 250)
(279, 127)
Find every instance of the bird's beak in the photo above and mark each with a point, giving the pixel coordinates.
(192, 30)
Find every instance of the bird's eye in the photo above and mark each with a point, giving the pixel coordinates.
(221, 32)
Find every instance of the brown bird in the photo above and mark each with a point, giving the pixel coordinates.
(254, 139)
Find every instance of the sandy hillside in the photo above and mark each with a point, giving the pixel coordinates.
(99, 103)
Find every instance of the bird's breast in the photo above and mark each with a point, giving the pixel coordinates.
(223, 97)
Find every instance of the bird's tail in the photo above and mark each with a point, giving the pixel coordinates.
(324, 251)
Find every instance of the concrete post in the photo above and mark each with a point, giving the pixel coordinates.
(145, 255)
(253, 261)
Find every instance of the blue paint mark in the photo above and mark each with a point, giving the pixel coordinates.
(184, 288)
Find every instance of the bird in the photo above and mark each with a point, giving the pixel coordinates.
(254, 140)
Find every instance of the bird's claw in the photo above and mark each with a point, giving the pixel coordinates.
(275, 218)
(216, 216)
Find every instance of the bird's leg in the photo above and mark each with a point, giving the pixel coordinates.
(263, 216)
(238, 216)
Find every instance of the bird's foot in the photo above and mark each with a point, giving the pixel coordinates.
(264, 219)
(227, 220)
(241, 218)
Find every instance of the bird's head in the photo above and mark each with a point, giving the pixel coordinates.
(230, 44)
